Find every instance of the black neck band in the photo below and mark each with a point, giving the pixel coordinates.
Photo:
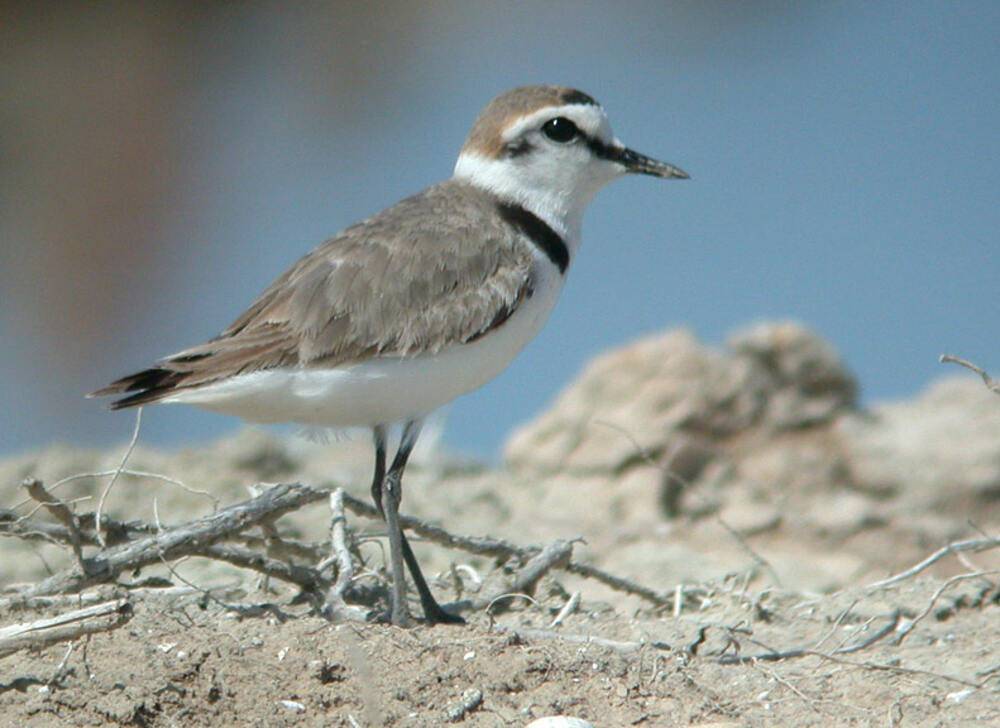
(538, 231)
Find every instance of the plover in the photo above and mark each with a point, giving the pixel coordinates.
(417, 305)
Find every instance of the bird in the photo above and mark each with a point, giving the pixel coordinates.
(417, 305)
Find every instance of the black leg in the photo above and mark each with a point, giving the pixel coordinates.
(432, 610)
(387, 493)
(379, 435)
(386, 496)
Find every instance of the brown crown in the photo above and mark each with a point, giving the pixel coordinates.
(486, 137)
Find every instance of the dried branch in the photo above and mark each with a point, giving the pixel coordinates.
(67, 626)
(899, 670)
(286, 547)
(101, 594)
(132, 473)
(304, 577)
(584, 639)
(553, 556)
(974, 545)
(989, 671)
(992, 384)
(567, 609)
(184, 540)
(757, 558)
(117, 532)
(60, 511)
(135, 544)
(336, 606)
(61, 670)
(114, 478)
(499, 548)
(836, 624)
(776, 655)
(107, 592)
(481, 546)
(905, 630)
(628, 586)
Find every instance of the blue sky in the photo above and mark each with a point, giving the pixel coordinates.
(845, 163)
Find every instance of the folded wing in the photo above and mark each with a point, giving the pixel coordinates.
(436, 270)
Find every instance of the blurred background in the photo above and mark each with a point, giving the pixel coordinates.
(160, 163)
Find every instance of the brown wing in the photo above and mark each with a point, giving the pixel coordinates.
(439, 268)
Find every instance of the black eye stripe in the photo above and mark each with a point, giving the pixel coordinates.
(602, 150)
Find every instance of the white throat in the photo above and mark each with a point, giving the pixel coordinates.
(561, 208)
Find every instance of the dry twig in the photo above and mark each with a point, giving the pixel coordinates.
(990, 382)
(897, 669)
(776, 655)
(60, 511)
(628, 586)
(757, 558)
(584, 639)
(974, 544)
(131, 473)
(336, 606)
(133, 545)
(553, 556)
(567, 609)
(114, 478)
(499, 548)
(905, 630)
(187, 539)
(68, 626)
(306, 578)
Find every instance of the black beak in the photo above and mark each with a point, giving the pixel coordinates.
(636, 163)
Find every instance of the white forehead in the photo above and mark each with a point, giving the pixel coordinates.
(589, 118)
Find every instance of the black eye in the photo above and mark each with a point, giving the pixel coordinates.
(560, 130)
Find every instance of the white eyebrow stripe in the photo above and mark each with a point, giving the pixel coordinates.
(591, 120)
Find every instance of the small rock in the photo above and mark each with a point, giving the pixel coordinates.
(559, 721)
(293, 706)
(471, 699)
(960, 696)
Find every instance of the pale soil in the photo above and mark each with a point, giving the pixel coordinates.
(187, 661)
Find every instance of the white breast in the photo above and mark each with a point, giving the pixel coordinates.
(384, 390)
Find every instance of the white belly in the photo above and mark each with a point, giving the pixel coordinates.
(379, 391)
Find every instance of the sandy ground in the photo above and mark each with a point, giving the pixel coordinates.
(184, 658)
